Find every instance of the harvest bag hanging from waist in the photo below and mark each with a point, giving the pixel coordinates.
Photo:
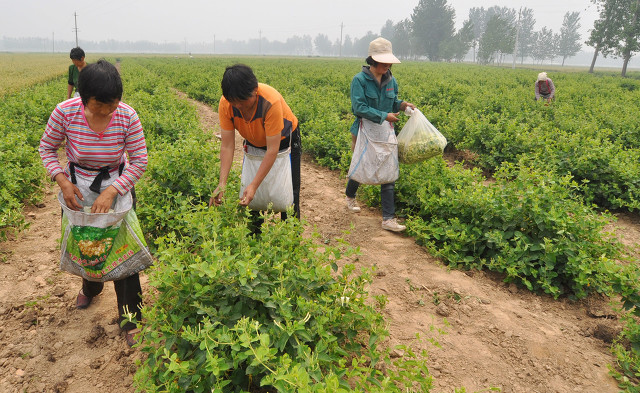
(101, 246)
(375, 156)
(275, 193)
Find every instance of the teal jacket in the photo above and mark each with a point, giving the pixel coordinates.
(371, 100)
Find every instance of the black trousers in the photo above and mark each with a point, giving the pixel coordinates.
(296, 154)
(128, 293)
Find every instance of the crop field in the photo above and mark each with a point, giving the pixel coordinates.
(22, 70)
(529, 198)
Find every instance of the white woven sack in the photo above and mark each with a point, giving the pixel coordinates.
(375, 156)
(275, 193)
(121, 205)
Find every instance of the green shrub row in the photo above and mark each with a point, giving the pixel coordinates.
(23, 117)
(235, 312)
(535, 223)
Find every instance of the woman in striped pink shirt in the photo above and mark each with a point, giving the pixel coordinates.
(100, 132)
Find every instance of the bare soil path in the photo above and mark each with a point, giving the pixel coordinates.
(489, 334)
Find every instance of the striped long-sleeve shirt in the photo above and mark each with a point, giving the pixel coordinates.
(90, 149)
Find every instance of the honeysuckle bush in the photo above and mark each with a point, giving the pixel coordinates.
(23, 118)
(234, 312)
(179, 176)
(183, 158)
(165, 118)
(535, 224)
(607, 174)
(626, 349)
(489, 111)
(527, 224)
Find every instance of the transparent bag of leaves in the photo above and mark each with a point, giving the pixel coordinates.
(419, 140)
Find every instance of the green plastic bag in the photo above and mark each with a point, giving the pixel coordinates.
(105, 246)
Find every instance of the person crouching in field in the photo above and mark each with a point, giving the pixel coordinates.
(77, 58)
(265, 121)
(545, 88)
(100, 132)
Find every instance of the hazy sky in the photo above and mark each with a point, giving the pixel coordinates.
(199, 20)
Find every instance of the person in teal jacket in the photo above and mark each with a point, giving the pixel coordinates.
(374, 96)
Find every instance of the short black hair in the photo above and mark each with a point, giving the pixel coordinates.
(101, 81)
(238, 82)
(76, 53)
(369, 60)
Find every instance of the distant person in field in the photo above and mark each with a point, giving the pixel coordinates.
(545, 88)
(265, 121)
(374, 96)
(105, 146)
(77, 58)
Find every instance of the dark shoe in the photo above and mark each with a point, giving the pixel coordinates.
(82, 301)
(130, 337)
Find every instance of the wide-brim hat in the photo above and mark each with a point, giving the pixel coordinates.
(380, 51)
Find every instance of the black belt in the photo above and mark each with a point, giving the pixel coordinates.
(284, 143)
(103, 173)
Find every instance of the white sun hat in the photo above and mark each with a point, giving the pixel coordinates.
(380, 51)
(542, 76)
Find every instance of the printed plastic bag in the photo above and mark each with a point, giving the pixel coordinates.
(375, 156)
(275, 193)
(419, 140)
(103, 246)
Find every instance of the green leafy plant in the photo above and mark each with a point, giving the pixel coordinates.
(229, 314)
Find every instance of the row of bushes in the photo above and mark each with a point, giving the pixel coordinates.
(23, 117)
(534, 222)
(228, 314)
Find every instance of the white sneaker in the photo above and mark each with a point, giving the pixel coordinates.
(392, 225)
(352, 205)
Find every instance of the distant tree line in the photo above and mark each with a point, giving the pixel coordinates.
(616, 32)
(487, 36)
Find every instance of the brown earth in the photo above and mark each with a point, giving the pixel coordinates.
(479, 332)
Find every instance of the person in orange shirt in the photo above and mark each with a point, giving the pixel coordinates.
(265, 121)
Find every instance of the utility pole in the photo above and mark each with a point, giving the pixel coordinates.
(214, 44)
(260, 42)
(75, 18)
(515, 48)
(53, 42)
(341, 27)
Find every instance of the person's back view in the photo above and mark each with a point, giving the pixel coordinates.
(77, 58)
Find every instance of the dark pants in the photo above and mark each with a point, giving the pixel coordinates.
(296, 154)
(128, 290)
(386, 197)
(128, 293)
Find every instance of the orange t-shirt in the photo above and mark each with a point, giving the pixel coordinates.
(272, 117)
